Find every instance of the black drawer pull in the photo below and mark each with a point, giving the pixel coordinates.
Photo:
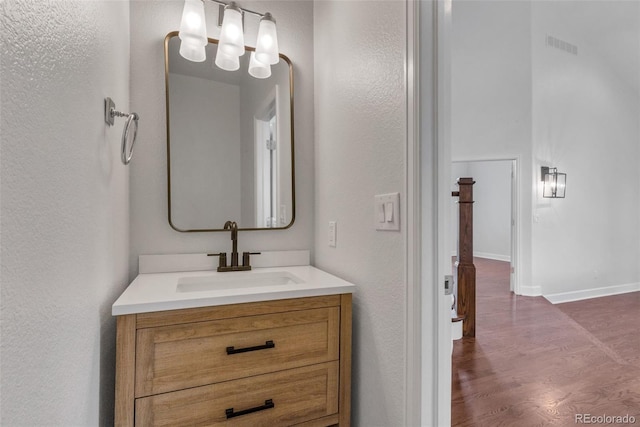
(268, 344)
(268, 404)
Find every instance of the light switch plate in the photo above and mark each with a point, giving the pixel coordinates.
(332, 234)
(387, 212)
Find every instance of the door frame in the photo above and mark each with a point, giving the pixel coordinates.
(428, 231)
(428, 160)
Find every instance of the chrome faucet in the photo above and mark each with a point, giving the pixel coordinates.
(222, 263)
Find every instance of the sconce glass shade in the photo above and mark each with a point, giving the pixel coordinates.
(231, 34)
(267, 43)
(195, 53)
(257, 69)
(227, 62)
(554, 183)
(193, 31)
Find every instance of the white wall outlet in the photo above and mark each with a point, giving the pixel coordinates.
(332, 233)
(387, 211)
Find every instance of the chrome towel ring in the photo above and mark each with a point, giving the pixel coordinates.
(110, 113)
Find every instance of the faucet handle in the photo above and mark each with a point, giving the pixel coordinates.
(223, 259)
(245, 258)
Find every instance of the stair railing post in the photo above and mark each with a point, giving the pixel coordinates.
(466, 303)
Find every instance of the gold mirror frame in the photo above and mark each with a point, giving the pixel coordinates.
(167, 110)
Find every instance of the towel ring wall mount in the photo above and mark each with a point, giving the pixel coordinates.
(110, 113)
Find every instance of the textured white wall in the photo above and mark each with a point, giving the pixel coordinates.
(491, 97)
(150, 230)
(360, 144)
(585, 110)
(64, 212)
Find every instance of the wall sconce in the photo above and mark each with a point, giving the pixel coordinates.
(554, 183)
(193, 37)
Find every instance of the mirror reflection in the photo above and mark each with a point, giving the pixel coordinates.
(229, 143)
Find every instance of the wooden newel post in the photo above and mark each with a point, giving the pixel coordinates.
(464, 264)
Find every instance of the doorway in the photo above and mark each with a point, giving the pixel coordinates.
(495, 211)
(266, 143)
(268, 207)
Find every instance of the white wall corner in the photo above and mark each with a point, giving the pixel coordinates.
(531, 291)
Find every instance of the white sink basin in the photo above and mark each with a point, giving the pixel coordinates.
(236, 280)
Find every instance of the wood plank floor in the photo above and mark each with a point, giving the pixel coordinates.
(537, 364)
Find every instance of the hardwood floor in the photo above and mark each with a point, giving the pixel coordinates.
(536, 364)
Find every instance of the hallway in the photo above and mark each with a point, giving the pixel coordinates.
(536, 364)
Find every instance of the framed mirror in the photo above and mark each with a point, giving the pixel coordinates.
(229, 143)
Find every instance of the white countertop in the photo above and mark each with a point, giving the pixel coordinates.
(159, 291)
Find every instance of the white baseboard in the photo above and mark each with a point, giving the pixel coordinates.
(530, 291)
(488, 255)
(561, 297)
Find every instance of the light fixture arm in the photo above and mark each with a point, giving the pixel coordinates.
(222, 3)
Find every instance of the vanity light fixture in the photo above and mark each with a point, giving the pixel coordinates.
(258, 69)
(231, 34)
(554, 183)
(193, 38)
(267, 43)
(228, 62)
(193, 31)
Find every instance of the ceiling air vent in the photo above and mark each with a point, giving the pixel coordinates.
(561, 44)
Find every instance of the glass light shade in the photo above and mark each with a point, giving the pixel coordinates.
(231, 33)
(561, 184)
(227, 62)
(193, 29)
(554, 183)
(267, 43)
(257, 69)
(192, 52)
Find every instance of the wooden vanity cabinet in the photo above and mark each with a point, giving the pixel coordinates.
(271, 363)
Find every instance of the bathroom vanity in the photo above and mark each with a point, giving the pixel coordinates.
(265, 346)
(269, 347)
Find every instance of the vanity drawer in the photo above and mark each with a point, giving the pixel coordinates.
(176, 357)
(293, 396)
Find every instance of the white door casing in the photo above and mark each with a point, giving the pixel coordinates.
(428, 372)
